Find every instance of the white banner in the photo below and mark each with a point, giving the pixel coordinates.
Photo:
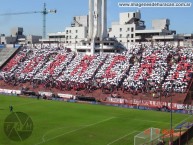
(175, 106)
(49, 94)
(67, 96)
(10, 91)
(116, 100)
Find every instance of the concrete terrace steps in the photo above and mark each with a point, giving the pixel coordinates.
(5, 53)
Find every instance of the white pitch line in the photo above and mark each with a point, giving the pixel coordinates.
(43, 138)
(183, 120)
(86, 126)
(152, 121)
(61, 128)
(122, 137)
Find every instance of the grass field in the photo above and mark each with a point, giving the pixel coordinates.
(61, 123)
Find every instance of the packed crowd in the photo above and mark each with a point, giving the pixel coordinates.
(140, 69)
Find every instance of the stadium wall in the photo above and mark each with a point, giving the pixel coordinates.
(11, 92)
(184, 138)
(177, 108)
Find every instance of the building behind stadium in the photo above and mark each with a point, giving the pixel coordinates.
(129, 29)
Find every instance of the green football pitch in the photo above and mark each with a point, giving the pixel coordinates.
(62, 123)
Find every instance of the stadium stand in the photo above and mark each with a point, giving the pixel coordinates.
(140, 70)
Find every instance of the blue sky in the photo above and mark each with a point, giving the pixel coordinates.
(180, 18)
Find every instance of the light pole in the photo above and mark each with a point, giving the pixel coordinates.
(171, 130)
(171, 115)
(160, 92)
